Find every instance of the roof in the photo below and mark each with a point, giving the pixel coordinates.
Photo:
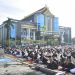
(15, 20)
(64, 27)
(42, 10)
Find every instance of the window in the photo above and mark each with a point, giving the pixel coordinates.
(40, 21)
(48, 23)
(56, 26)
(13, 35)
(30, 20)
(13, 31)
(31, 33)
(25, 32)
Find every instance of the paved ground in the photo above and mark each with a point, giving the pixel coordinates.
(17, 68)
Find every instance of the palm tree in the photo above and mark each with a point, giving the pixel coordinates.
(8, 24)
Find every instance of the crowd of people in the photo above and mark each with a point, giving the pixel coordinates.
(55, 57)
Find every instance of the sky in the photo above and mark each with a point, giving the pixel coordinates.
(18, 9)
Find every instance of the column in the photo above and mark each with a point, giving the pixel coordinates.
(34, 35)
(51, 24)
(62, 37)
(28, 33)
(3, 36)
(22, 34)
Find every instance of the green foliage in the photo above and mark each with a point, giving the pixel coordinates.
(39, 41)
(27, 40)
(33, 41)
(52, 41)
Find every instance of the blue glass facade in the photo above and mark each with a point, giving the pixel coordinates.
(13, 31)
(48, 23)
(56, 25)
(67, 35)
(40, 21)
(13, 36)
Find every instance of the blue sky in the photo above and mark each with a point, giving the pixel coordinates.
(18, 9)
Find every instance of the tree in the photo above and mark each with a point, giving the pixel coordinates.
(8, 24)
(53, 40)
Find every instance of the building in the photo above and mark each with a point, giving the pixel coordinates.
(40, 25)
(14, 33)
(61, 31)
(0, 34)
(28, 31)
(65, 35)
(47, 24)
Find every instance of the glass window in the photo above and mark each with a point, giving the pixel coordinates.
(48, 23)
(31, 33)
(13, 31)
(56, 25)
(21, 32)
(40, 21)
(25, 32)
(30, 20)
(13, 35)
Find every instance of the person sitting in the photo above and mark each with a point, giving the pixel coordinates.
(44, 60)
(67, 66)
(52, 64)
